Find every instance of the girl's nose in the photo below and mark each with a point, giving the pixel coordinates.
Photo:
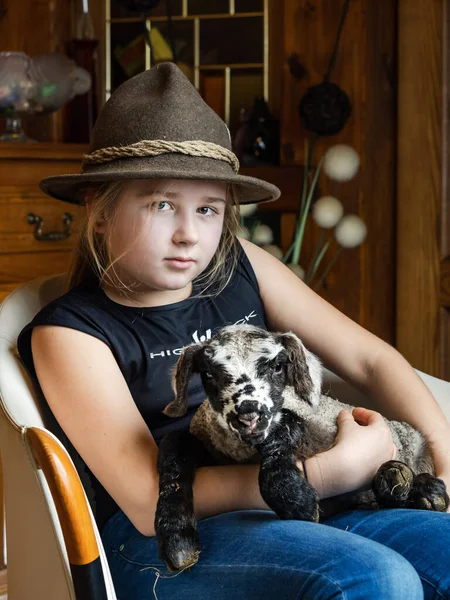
(186, 231)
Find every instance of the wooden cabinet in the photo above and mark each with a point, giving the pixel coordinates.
(22, 256)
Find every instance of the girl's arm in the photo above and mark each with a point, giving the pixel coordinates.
(351, 352)
(89, 397)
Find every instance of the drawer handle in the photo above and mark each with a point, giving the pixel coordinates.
(51, 236)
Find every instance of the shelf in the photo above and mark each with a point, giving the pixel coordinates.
(185, 18)
(42, 150)
(231, 66)
(206, 49)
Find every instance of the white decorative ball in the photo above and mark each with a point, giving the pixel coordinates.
(327, 212)
(248, 209)
(341, 162)
(298, 270)
(351, 231)
(243, 232)
(262, 235)
(274, 251)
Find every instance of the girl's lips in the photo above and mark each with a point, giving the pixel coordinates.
(180, 263)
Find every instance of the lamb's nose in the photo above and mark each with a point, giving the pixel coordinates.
(249, 419)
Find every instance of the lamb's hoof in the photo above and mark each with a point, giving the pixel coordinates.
(179, 550)
(392, 484)
(428, 493)
(310, 513)
(298, 503)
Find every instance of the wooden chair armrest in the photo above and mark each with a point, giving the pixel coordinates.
(73, 512)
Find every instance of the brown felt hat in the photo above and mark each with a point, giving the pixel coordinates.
(155, 126)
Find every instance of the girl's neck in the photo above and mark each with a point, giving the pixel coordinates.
(146, 298)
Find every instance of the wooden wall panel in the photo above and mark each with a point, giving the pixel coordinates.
(445, 205)
(2, 528)
(377, 201)
(362, 284)
(421, 175)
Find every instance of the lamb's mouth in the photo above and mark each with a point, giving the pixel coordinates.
(252, 435)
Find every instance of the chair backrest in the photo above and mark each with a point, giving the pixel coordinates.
(339, 388)
(38, 566)
(16, 311)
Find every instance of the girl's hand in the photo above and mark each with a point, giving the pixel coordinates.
(363, 444)
(365, 441)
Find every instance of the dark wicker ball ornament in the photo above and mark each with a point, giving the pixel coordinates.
(325, 108)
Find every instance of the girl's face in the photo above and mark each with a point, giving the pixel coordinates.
(164, 235)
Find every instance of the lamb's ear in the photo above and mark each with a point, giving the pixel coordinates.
(181, 376)
(304, 371)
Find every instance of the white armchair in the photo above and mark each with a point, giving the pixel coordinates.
(54, 551)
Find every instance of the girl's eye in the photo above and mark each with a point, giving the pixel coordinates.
(163, 205)
(206, 210)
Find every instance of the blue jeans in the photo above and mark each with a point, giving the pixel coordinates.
(248, 555)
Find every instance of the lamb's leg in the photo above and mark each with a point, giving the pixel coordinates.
(175, 522)
(396, 486)
(281, 483)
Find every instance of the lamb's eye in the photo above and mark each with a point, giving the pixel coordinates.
(278, 366)
(207, 375)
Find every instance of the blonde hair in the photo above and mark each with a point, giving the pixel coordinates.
(92, 259)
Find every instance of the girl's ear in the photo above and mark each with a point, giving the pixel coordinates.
(100, 223)
(100, 226)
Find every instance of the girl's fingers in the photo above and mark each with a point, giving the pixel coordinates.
(365, 416)
(344, 416)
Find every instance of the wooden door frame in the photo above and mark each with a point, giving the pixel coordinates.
(422, 183)
(2, 536)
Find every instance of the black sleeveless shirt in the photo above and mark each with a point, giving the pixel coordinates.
(146, 343)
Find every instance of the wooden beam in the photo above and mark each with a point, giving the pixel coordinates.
(445, 283)
(419, 180)
(2, 525)
(378, 176)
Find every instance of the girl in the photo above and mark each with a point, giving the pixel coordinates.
(159, 267)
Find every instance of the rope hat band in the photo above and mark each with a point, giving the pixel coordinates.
(157, 147)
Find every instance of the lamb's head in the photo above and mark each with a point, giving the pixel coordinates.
(248, 374)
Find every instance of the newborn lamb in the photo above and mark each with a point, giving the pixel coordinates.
(265, 404)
